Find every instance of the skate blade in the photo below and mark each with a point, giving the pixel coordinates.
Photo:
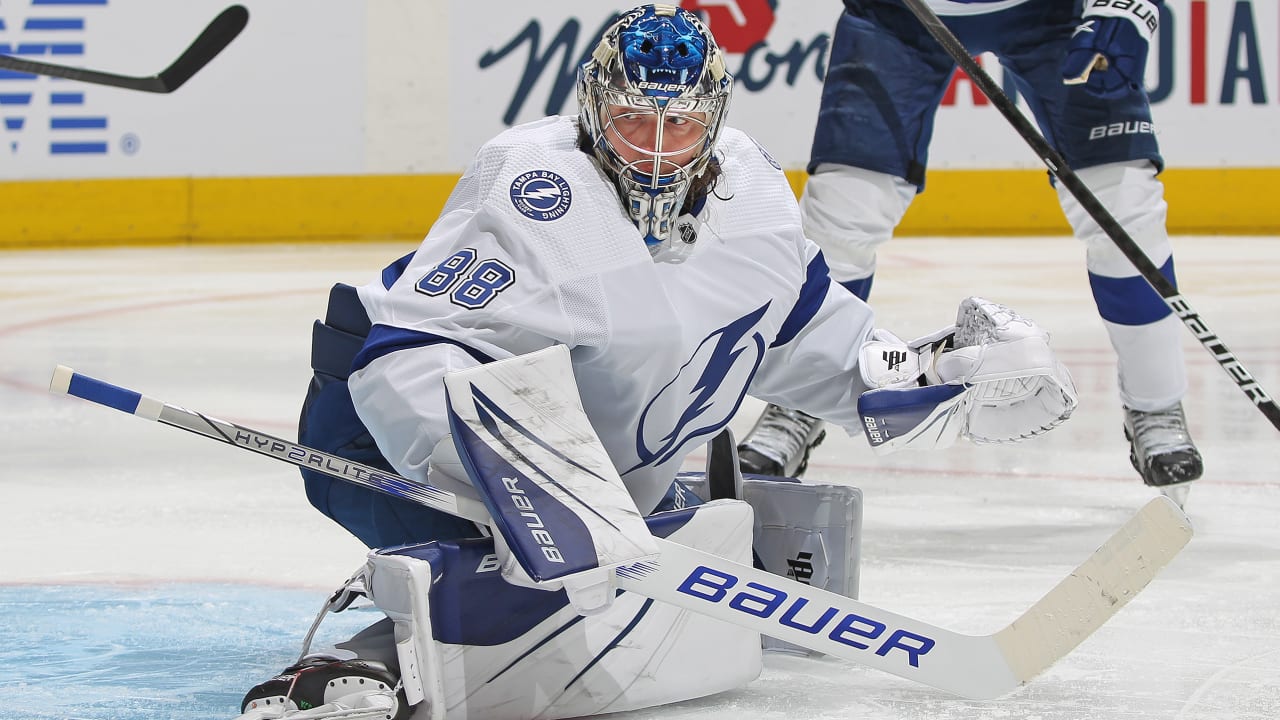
(1178, 493)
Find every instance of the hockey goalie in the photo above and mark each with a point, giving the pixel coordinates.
(596, 299)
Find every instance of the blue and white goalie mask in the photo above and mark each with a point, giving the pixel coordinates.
(653, 98)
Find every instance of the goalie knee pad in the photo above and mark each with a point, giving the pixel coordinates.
(811, 533)
(808, 532)
(473, 646)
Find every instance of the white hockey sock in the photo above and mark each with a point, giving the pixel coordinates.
(1151, 370)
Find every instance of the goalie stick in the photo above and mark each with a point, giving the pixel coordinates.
(974, 666)
(207, 45)
(1059, 169)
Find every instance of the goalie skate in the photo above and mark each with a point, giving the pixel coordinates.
(322, 687)
(780, 442)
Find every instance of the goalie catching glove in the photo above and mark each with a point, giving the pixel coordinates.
(991, 378)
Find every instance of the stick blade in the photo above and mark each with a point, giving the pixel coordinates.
(1096, 590)
(215, 38)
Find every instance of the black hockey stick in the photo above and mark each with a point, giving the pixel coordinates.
(1058, 166)
(217, 36)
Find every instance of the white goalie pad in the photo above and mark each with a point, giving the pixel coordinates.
(564, 516)
(471, 646)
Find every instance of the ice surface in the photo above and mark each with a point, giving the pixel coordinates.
(151, 573)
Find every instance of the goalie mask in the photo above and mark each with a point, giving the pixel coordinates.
(652, 99)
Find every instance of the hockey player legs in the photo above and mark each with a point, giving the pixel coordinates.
(859, 190)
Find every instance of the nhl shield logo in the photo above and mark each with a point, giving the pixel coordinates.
(541, 195)
(688, 233)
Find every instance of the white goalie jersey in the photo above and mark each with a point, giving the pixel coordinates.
(533, 249)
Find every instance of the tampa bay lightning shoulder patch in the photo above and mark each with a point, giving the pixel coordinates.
(541, 195)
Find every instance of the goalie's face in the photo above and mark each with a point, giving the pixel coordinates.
(652, 99)
(655, 145)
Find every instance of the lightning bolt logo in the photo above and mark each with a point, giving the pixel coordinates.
(707, 391)
(541, 193)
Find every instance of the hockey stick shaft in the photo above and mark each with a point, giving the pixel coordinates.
(206, 46)
(979, 667)
(1072, 182)
(68, 382)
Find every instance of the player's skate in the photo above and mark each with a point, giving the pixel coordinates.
(1161, 450)
(322, 687)
(780, 442)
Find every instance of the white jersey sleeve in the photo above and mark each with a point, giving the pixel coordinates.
(813, 363)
